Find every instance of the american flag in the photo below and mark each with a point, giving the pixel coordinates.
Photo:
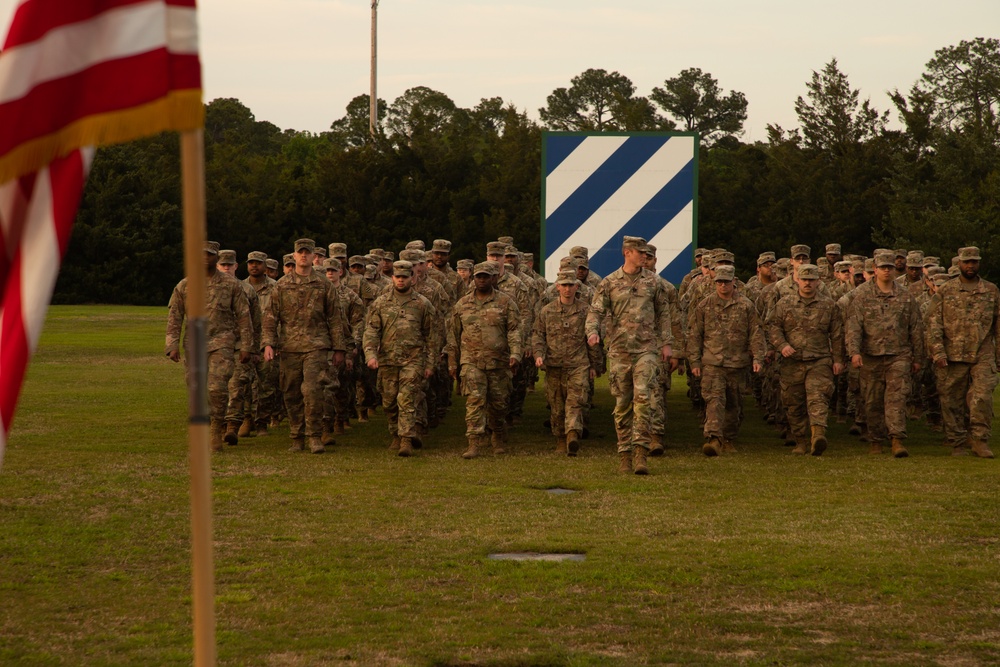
(75, 74)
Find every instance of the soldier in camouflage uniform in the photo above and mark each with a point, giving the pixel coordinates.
(514, 287)
(592, 279)
(401, 343)
(639, 338)
(227, 316)
(441, 270)
(464, 270)
(305, 324)
(807, 330)
(339, 394)
(962, 331)
(264, 400)
(699, 256)
(244, 375)
(272, 269)
(884, 337)
(667, 368)
(559, 343)
(724, 340)
(288, 264)
(484, 345)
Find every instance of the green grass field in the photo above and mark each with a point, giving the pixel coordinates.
(358, 557)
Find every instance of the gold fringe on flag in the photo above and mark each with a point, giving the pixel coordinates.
(180, 110)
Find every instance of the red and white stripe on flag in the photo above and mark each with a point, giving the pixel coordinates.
(75, 74)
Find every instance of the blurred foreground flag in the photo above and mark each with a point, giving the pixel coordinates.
(75, 74)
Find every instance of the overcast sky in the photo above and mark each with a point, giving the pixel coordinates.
(297, 63)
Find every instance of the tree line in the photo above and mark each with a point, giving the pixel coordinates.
(436, 170)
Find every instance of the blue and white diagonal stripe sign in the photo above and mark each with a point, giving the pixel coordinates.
(599, 188)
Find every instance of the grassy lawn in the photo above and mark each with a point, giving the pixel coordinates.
(358, 557)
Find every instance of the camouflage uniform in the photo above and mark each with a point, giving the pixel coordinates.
(483, 336)
(227, 316)
(264, 401)
(307, 311)
(962, 328)
(402, 336)
(722, 337)
(639, 327)
(813, 327)
(244, 374)
(559, 339)
(885, 330)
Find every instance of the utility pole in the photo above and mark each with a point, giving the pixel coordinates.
(373, 97)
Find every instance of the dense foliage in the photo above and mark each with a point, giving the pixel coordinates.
(436, 170)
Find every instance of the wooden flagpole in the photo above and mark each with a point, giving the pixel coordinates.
(203, 574)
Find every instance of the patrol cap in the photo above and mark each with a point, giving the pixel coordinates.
(370, 271)
(402, 268)
(465, 264)
(936, 271)
(808, 272)
(727, 273)
(885, 259)
(915, 259)
(857, 266)
(528, 256)
(288, 259)
(212, 247)
(389, 255)
(953, 270)
(338, 250)
(699, 252)
(765, 258)
(942, 278)
(633, 242)
(227, 257)
(331, 263)
(308, 244)
(566, 278)
(901, 252)
(496, 248)
(579, 251)
(842, 265)
(509, 240)
(833, 249)
(968, 253)
(412, 255)
(511, 250)
(650, 250)
(372, 260)
(416, 245)
(271, 264)
(489, 268)
(257, 256)
(954, 260)
(441, 245)
(930, 260)
(568, 263)
(356, 260)
(801, 250)
(822, 261)
(582, 261)
(724, 256)
(869, 266)
(495, 266)
(320, 250)
(878, 250)
(377, 252)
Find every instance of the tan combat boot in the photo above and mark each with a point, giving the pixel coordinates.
(338, 427)
(262, 427)
(316, 446)
(959, 450)
(215, 432)
(327, 438)
(405, 447)
(572, 442)
(898, 450)
(981, 449)
(728, 447)
(800, 447)
(712, 447)
(624, 461)
(232, 436)
(298, 445)
(362, 415)
(396, 442)
(656, 445)
(247, 429)
(473, 449)
(876, 448)
(561, 447)
(639, 460)
(497, 440)
(818, 440)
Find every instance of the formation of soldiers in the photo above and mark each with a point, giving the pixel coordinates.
(325, 338)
